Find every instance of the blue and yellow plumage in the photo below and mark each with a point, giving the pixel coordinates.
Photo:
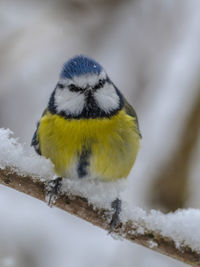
(88, 129)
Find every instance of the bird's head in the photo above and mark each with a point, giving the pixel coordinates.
(85, 91)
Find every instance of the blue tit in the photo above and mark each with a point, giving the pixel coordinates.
(88, 130)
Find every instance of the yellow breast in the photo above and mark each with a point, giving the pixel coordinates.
(112, 144)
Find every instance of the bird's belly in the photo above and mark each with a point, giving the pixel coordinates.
(92, 148)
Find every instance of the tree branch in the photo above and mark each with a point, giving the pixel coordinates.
(80, 207)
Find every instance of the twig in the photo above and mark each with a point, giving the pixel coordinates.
(80, 207)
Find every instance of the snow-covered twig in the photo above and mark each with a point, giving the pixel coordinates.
(80, 207)
(175, 234)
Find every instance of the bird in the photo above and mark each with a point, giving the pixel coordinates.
(88, 129)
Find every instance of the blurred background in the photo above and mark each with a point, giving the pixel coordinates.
(150, 49)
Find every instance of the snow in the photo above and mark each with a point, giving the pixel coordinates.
(100, 193)
(152, 244)
(21, 157)
(181, 226)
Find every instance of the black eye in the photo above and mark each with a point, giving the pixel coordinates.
(74, 88)
(101, 83)
(60, 85)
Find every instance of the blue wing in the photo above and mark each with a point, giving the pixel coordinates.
(35, 140)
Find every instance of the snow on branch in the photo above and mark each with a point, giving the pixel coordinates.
(176, 235)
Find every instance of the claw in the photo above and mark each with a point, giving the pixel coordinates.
(52, 190)
(116, 205)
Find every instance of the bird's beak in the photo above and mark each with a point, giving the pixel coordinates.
(88, 91)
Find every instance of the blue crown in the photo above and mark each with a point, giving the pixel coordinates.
(80, 65)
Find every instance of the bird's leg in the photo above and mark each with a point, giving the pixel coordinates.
(52, 190)
(116, 206)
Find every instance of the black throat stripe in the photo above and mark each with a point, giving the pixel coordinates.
(83, 163)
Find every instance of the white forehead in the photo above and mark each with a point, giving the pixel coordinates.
(84, 80)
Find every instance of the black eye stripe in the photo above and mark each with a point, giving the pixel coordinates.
(74, 88)
(100, 84)
(60, 85)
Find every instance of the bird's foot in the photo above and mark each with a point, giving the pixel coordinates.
(116, 206)
(53, 189)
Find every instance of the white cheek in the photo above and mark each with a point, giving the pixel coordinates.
(69, 102)
(107, 98)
